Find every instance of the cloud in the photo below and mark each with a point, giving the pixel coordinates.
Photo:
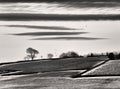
(88, 4)
(56, 17)
(42, 27)
(48, 33)
(56, 0)
(69, 38)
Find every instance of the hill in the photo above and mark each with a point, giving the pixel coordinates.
(47, 66)
(111, 68)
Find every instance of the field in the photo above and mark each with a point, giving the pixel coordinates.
(56, 74)
(36, 82)
(111, 68)
(46, 66)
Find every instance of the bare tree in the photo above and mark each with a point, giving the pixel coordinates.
(31, 53)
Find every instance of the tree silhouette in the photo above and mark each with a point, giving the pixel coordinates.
(111, 56)
(63, 55)
(119, 56)
(91, 55)
(69, 55)
(72, 54)
(31, 53)
(50, 55)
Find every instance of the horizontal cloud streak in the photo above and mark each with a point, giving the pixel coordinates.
(58, 0)
(92, 4)
(69, 38)
(48, 33)
(57, 17)
(42, 27)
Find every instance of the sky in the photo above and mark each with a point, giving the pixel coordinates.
(83, 27)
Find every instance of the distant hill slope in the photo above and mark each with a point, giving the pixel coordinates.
(52, 65)
(111, 68)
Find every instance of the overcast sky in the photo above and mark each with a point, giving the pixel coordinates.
(58, 27)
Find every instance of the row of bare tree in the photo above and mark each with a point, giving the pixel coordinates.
(31, 54)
